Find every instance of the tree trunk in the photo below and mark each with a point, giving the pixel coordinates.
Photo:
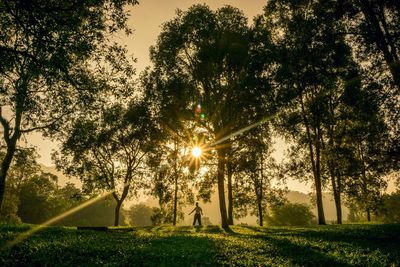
(230, 193)
(5, 166)
(221, 189)
(175, 199)
(368, 214)
(120, 200)
(260, 214)
(176, 185)
(315, 164)
(116, 215)
(318, 188)
(336, 194)
(259, 205)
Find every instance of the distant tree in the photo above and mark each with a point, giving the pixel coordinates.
(9, 210)
(291, 214)
(47, 50)
(37, 202)
(99, 213)
(389, 211)
(140, 215)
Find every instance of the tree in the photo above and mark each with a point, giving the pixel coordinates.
(256, 172)
(314, 66)
(108, 152)
(172, 182)
(206, 55)
(140, 215)
(389, 211)
(49, 48)
(37, 202)
(376, 22)
(291, 214)
(369, 141)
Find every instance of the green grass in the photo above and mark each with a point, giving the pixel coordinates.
(347, 245)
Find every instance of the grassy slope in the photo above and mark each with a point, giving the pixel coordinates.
(347, 245)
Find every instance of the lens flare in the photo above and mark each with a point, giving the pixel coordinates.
(196, 152)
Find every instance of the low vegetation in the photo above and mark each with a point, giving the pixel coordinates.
(347, 245)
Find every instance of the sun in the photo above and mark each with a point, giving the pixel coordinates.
(196, 152)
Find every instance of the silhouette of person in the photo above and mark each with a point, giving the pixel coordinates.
(197, 215)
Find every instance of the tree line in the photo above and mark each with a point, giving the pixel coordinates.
(322, 75)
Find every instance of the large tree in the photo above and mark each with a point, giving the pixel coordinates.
(108, 151)
(206, 55)
(47, 50)
(313, 65)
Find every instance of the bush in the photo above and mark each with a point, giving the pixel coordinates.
(8, 213)
(140, 215)
(390, 212)
(291, 214)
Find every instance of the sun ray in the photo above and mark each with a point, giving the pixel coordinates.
(37, 228)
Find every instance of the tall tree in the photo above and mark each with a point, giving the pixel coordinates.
(258, 171)
(207, 53)
(46, 50)
(313, 65)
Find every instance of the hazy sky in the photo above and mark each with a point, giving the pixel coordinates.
(146, 20)
(147, 17)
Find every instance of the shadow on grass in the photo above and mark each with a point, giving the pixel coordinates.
(283, 251)
(377, 245)
(57, 247)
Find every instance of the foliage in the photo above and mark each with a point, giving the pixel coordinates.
(140, 215)
(100, 213)
(347, 245)
(53, 53)
(108, 151)
(202, 60)
(291, 214)
(389, 212)
(8, 213)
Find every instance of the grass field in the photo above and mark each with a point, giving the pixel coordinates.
(347, 245)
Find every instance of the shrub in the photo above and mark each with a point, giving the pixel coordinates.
(390, 212)
(290, 214)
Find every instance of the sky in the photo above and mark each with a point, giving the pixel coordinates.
(146, 20)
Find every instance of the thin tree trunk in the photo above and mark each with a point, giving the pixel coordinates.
(336, 193)
(260, 213)
(318, 187)
(261, 192)
(221, 190)
(315, 164)
(230, 193)
(259, 204)
(176, 185)
(364, 184)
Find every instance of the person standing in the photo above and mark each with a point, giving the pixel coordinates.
(197, 215)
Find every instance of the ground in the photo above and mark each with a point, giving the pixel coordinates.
(332, 245)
